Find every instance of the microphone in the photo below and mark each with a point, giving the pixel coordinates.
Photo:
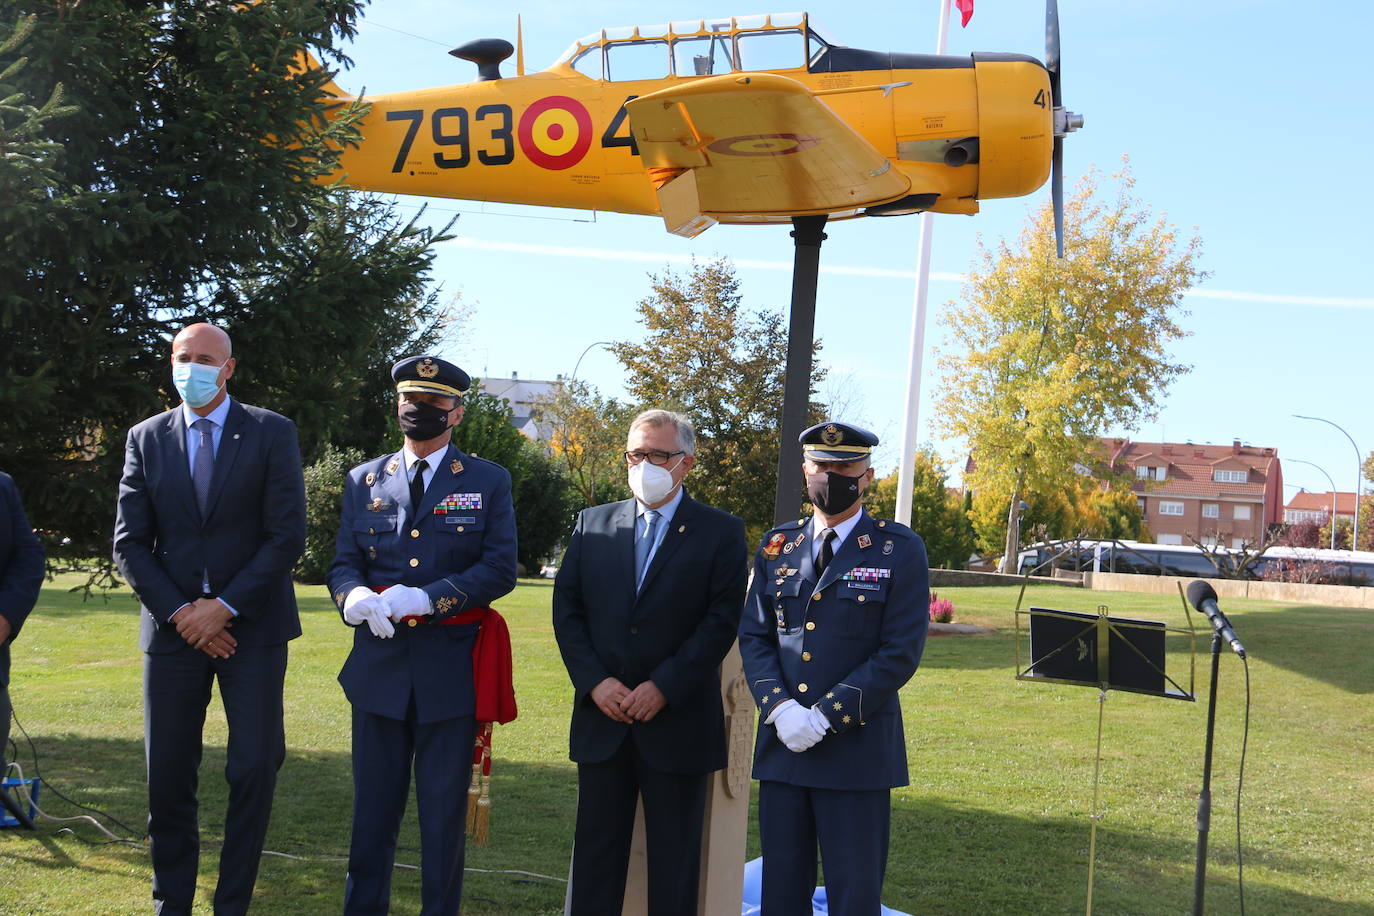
(1204, 599)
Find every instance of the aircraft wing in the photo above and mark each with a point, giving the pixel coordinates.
(747, 147)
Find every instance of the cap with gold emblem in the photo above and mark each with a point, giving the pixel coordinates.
(430, 374)
(835, 441)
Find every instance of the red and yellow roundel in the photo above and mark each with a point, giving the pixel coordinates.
(555, 132)
(763, 144)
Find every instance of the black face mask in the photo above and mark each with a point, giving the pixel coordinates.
(421, 422)
(832, 493)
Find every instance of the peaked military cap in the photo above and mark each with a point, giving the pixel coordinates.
(430, 374)
(835, 441)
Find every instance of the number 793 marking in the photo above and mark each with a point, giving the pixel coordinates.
(449, 128)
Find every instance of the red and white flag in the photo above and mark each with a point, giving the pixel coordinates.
(965, 8)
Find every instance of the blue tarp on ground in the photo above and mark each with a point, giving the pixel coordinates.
(753, 890)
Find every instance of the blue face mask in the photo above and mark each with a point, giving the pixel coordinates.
(197, 384)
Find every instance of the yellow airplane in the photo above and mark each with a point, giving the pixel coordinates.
(751, 120)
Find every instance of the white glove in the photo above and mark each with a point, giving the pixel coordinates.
(819, 722)
(363, 605)
(406, 601)
(795, 728)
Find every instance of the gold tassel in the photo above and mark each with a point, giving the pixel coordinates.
(474, 789)
(482, 829)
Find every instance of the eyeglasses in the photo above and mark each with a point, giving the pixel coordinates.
(655, 457)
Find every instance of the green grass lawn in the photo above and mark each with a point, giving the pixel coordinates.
(995, 820)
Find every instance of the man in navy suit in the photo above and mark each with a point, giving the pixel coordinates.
(21, 575)
(834, 625)
(426, 542)
(211, 520)
(645, 607)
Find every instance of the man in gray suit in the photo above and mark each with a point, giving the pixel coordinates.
(645, 607)
(211, 520)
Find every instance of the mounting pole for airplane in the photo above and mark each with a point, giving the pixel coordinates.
(807, 235)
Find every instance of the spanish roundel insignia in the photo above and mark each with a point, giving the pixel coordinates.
(555, 132)
(774, 546)
(763, 144)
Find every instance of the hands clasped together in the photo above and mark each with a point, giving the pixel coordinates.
(625, 705)
(798, 727)
(363, 605)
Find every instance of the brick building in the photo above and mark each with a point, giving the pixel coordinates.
(1218, 494)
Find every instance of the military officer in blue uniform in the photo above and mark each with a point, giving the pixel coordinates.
(427, 536)
(834, 625)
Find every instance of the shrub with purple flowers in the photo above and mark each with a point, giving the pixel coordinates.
(941, 609)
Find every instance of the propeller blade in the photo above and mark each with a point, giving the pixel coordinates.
(1052, 48)
(1057, 193)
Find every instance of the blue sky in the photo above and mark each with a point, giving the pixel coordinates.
(1246, 123)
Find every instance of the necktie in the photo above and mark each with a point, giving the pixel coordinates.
(417, 487)
(827, 550)
(645, 544)
(203, 466)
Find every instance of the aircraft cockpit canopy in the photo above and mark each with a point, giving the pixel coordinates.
(698, 47)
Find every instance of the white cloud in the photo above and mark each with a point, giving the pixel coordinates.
(652, 257)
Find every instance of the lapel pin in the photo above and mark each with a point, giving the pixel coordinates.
(865, 542)
(456, 466)
(391, 468)
(887, 548)
(371, 478)
(681, 528)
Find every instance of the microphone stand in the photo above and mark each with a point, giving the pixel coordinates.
(1204, 800)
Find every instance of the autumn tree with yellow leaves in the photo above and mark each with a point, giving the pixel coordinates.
(1046, 355)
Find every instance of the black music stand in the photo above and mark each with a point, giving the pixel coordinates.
(1095, 650)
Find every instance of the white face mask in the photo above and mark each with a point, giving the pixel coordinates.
(651, 483)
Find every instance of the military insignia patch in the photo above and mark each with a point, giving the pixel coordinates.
(865, 542)
(377, 505)
(831, 435)
(391, 468)
(427, 369)
(789, 548)
(456, 466)
(371, 478)
(773, 548)
(887, 548)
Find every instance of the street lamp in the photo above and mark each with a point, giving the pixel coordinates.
(1359, 473)
(595, 343)
(1333, 497)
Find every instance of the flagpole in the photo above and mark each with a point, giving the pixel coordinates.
(906, 469)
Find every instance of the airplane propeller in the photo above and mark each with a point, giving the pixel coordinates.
(1065, 121)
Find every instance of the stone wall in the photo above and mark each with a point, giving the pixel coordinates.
(1329, 595)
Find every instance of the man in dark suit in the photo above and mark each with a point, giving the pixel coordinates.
(211, 520)
(645, 607)
(835, 624)
(21, 575)
(427, 541)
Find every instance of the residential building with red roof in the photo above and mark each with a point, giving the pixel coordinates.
(1218, 494)
(1316, 507)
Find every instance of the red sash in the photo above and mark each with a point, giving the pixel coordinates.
(493, 676)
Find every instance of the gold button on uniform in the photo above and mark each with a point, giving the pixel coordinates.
(811, 624)
(414, 561)
(816, 597)
(460, 527)
(863, 597)
(415, 532)
(806, 656)
(372, 531)
(412, 622)
(801, 688)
